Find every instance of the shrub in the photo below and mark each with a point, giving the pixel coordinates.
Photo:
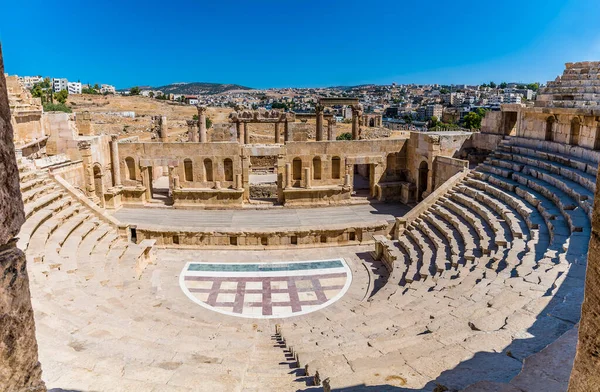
(344, 136)
(56, 107)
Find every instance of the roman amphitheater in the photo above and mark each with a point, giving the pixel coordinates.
(218, 260)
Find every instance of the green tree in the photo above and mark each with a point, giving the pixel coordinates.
(433, 122)
(533, 86)
(134, 91)
(61, 96)
(208, 123)
(151, 94)
(344, 136)
(492, 85)
(444, 91)
(503, 85)
(96, 87)
(472, 120)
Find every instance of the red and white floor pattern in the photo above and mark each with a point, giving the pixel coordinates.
(266, 290)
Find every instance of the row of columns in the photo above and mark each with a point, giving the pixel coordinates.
(197, 129)
(356, 116)
(243, 133)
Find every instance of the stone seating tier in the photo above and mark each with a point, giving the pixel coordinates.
(515, 232)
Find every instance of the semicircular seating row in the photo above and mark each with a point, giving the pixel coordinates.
(101, 328)
(489, 275)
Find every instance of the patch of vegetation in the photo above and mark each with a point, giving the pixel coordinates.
(56, 107)
(344, 136)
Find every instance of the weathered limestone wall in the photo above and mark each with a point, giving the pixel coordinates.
(585, 376)
(19, 366)
(445, 168)
(492, 122)
(207, 162)
(26, 112)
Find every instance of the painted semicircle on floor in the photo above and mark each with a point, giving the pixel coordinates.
(266, 290)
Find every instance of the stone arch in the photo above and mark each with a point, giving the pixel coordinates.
(550, 129)
(422, 179)
(130, 163)
(316, 168)
(575, 131)
(297, 169)
(188, 168)
(208, 170)
(228, 169)
(336, 169)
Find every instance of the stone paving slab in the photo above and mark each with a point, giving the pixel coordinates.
(283, 217)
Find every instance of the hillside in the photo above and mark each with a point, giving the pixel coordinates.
(196, 88)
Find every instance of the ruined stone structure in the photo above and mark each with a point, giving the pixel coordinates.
(19, 366)
(242, 118)
(26, 114)
(470, 279)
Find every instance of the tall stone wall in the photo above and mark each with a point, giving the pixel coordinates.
(19, 366)
(585, 376)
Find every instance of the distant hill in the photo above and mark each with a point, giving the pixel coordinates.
(196, 88)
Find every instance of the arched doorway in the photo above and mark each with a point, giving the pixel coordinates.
(372, 122)
(422, 180)
(575, 131)
(549, 129)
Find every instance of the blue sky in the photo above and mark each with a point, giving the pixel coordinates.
(298, 43)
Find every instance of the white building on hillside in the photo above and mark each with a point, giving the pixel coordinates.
(30, 81)
(107, 89)
(74, 87)
(59, 84)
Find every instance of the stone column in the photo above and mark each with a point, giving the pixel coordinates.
(319, 113)
(242, 132)
(192, 131)
(287, 136)
(85, 149)
(246, 134)
(288, 175)
(146, 181)
(356, 114)
(202, 122)
(330, 132)
(114, 158)
(238, 182)
(162, 128)
(19, 366)
(276, 133)
(307, 182)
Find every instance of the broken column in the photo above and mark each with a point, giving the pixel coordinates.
(202, 123)
(288, 175)
(330, 132)
(307, 178)
(19, 366)
(162, 128)
(114, 158)
(319, 113)
(192, 131)
(356, 114)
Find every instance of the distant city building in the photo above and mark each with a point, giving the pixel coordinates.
(29, 81)
(107, 89)
(434, 110)
(191, 99)
(512, 98)
(59, 84)
(74, 87)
